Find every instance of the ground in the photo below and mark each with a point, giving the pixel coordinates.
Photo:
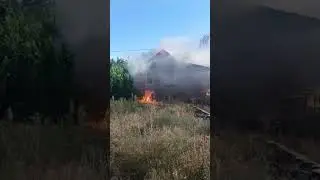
(52, 152)
(168, 142)
(147, 142)
(152, 142)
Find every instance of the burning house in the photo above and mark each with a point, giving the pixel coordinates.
(266, 58)
(173, 79)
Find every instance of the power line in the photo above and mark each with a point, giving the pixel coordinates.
(133, 50)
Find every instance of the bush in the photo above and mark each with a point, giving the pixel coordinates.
(121, 82)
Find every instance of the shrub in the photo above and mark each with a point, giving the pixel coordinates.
(121, 82)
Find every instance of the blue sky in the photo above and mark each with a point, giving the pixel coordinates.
(141, 24)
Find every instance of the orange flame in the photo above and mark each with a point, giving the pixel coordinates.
(147, 98)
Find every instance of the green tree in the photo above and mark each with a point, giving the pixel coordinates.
(121, 82)
(34, 61)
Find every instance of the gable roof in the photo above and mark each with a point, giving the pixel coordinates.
(161, 55)
(165, 54)
(162, 52)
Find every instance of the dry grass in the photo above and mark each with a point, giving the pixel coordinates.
(239, 156)
(149, 142)
(51, 153)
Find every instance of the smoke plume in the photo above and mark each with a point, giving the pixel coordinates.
(183, 49)
(178, 73)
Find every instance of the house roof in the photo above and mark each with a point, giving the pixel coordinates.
(160, 55)
(165, 54)
(162, 52)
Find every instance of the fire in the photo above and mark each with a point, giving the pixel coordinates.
(147, 98)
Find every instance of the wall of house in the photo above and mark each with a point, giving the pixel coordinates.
(182, 83)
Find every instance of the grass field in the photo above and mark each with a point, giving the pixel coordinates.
(150, 142)
(147, 142)
(51, 153)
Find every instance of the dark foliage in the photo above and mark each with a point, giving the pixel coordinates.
(35, 64)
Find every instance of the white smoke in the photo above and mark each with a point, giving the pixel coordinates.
(137, 64)
(183, 49)
(187, 50)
